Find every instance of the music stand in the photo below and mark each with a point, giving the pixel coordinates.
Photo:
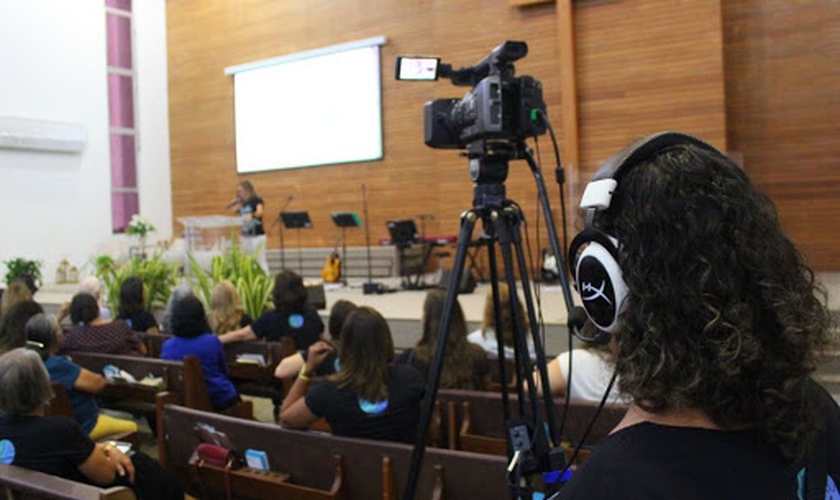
(344, 220)
(404, 235)
(297, 220)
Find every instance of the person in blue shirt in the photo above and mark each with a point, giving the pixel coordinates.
(44, 335)
(193, 336)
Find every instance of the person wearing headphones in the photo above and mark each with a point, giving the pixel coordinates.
(715, 322)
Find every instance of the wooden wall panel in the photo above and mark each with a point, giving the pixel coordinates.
(783, 110)
(643, 66)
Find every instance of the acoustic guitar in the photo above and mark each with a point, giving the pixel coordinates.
(332, 268)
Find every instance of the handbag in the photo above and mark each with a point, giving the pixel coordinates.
(216, 456)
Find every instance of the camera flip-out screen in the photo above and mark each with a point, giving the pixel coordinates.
(417, 68)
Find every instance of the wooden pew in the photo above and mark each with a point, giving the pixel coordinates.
(312, 465)
(22, 484)
(183, 379)
(475, 420)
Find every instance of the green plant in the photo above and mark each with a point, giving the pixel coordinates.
(254, 285)
(21, 269)
(158, 276)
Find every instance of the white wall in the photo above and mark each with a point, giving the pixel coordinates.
(53, 60)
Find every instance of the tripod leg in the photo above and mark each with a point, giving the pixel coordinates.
(539, 349)
(467, 225)
(503, 224)
(494, 284)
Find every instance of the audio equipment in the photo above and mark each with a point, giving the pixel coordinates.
(594, 254)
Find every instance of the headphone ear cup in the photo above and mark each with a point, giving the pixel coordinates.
(600, 284)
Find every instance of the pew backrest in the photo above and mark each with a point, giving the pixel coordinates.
(468, 475)
(20, 484)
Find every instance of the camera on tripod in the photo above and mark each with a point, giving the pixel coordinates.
(500, 108)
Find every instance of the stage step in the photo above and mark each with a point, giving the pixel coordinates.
(383, 261)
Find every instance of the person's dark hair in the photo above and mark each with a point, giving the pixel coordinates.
(132, 300)
(458, 370)
(289, 293)
(188, 318)
(41, 333)
(722, 314)
(338, 315)
(13, 325)
(83, 308)
(366, 351)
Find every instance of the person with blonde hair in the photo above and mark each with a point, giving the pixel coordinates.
(485, 337)
(16, 293)
(226, 311)
(250, 207)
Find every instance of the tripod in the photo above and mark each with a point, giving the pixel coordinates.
(530, 448)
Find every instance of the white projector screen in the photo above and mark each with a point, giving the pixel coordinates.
(315, 108)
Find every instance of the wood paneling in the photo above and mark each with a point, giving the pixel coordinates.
(642, 66)
(783, 113)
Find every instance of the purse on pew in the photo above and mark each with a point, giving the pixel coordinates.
(216, 456)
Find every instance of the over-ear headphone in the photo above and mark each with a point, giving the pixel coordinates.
(593, 254)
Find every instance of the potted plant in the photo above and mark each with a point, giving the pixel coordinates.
(140, 227)
(27, 271)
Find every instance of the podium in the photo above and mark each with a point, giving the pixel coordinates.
(294, 220)
(209, 235)
(343, 220)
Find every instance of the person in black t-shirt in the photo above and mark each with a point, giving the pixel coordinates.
(290, 366)
(250, 208)
(58, 445)
(714, 322)
(368, 397)
(291, 316)
(132, 308)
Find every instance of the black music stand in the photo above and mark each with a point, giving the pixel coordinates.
(297, 220)
(404, 235)
(344, 220)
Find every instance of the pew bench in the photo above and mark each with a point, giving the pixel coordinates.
(23, 484)
(184, 379)
(320, 466)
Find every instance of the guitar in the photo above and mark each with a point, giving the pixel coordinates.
(332, 268)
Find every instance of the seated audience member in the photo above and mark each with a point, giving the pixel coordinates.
(465, 365)
(16, 293)
(193, 336)
(13, 325)
(486, 336)
(133, 306)
(44, 335)
(91, 333)
(178, 293)
(368, 397)
(226, 311)
(290, 366)
(91, 286)
(592, 370)
(291, 316)
(716, 321)
(58, 445)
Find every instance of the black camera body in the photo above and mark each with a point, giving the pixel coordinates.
(500, 107)
(497, 108)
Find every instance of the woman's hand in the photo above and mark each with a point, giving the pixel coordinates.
(318, 352)
(122, 462)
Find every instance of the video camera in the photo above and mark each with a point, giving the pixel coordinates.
(500, 107)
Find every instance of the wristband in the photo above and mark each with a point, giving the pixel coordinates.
(302, 375)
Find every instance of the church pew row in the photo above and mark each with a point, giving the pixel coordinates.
(184, 379)
(474, 420)
(60, 406)
(314, 465)
(17, 483)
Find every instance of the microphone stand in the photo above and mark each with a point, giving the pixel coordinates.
(279, 219)
(369, 287)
